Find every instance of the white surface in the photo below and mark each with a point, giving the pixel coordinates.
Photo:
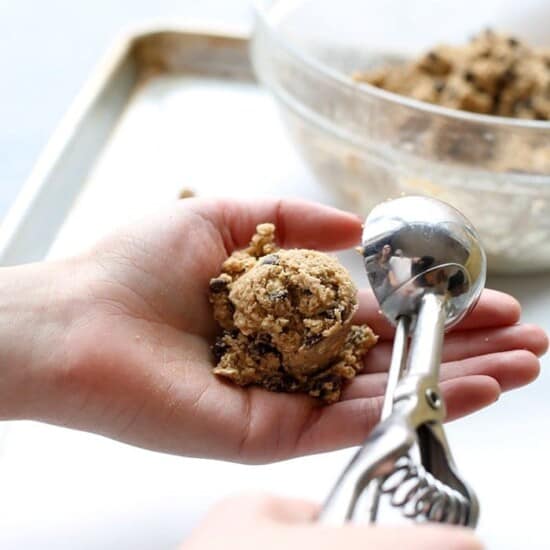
(67, 490)
(49, 48)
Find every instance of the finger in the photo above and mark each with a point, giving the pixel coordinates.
(511, 369)
(289, 510)
(377, 360)
(494, 309)
(299, 223)
(354, 537)
(258, 506)
(348, 422)
(471, 343)
(412, 538)
(460, 345)
(249, 505)
(469, 394)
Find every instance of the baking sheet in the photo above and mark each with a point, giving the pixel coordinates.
(167, 111)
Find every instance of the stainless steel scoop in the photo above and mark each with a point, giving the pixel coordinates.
(427, 269)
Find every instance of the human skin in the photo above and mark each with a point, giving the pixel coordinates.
(117, 341)
(258, 521)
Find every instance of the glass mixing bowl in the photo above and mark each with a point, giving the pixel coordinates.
(369, 145)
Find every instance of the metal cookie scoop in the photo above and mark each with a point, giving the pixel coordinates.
(427, 269)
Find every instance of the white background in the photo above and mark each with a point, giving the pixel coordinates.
(47, 49)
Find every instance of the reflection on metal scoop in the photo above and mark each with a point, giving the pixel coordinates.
(427, 269)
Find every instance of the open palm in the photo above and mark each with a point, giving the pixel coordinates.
(139, 361)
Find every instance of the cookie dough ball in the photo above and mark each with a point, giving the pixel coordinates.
(302, 300)
(287, 316)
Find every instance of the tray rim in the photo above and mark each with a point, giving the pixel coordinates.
(121, 47)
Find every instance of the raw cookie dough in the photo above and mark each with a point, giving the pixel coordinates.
(286, 319)
(186, 193)
(492, 74)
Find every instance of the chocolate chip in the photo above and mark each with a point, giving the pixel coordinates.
(327, 385)
(219, 349)
(331, 379)
(329, 313)
(218, 285)
(281, 382)
(312, 339)
(509, 75)
(270, 259)
(439, 86)
(332, 313)
(469, 76)
(261, 348)
(513, 42)
(432, 56)
(230, 308)
(345, 312)
(262, 345)
(274, 384)
(278, 295)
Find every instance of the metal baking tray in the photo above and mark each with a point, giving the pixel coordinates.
(166, 110)
(169, 109)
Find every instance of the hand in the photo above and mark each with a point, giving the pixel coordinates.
(117, 341)
(252, 522)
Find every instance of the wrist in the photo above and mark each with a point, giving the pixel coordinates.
(38, 305)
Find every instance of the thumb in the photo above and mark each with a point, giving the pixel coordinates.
(262, 508)
(287, 510)
(301, 514)
(297, 222)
